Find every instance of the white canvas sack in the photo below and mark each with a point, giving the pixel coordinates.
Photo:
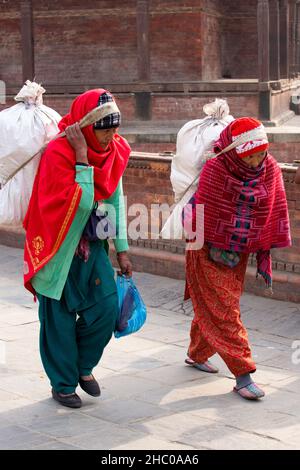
(193, 148)
(24, 129)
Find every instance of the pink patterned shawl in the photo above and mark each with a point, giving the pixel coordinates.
(245, 209)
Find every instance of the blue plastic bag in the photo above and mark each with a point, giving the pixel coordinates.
(132, 310)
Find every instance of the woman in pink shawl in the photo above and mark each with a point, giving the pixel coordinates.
(245, 211)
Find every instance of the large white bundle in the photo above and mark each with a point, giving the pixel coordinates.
(193, 148)
(24, 129)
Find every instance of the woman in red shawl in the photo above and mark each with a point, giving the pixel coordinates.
(65, 261)
(245, 211)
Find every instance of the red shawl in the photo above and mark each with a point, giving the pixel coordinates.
(245, 209)
(56, 195)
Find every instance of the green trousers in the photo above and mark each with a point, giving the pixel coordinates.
(75, 330)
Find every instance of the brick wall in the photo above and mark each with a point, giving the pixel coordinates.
(84, 46)
(185, 39)
(96, 43)
(171, 107)
(164, 106)
(285, 152)
(10, 43)
(239, 39)
(211, 38)
(176, 40)
(147, 180)
(90, 43)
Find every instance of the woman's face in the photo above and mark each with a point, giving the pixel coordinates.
(105, 136)
(255, 159)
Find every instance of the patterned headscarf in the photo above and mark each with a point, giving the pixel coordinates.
(110, 121)
(250, 136)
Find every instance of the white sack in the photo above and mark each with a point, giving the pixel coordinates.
(193, 148)
(24, 129)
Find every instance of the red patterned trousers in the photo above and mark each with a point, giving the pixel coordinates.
(215, 291)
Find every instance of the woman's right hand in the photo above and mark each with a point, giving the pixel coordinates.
(77, 141)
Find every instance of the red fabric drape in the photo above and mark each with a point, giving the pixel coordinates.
(245, 209)
(56, 195)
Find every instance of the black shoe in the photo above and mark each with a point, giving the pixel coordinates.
(91, 387)
(72, 401)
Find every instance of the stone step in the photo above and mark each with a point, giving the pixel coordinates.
(166, 132)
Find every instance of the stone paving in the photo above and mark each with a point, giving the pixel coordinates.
(150, 399)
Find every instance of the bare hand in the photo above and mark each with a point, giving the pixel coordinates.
(125, 263)
(77, 141)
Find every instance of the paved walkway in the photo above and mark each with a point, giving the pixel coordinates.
(150, 399)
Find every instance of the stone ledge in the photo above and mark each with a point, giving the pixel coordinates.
(162, 161)
(160, 132)
(213, 86)
(280, 120)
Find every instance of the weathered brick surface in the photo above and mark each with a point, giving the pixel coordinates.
(239, 39)
(211, 55)
(285, 152)
(96, 42)
(175, 56)
(79, 46)
(92, 43)
(148, 181)
(172, 107)
(165, 106)
(10, 43)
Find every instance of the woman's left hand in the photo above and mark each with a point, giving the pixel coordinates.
(124, 263)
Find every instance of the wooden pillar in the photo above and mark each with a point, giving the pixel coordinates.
(263, 29)
(298, 37)
(284, 39)
(142, 19)
(274, 40)
(292, 36)
(263, 33)
(27, 40)
(143, 99)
